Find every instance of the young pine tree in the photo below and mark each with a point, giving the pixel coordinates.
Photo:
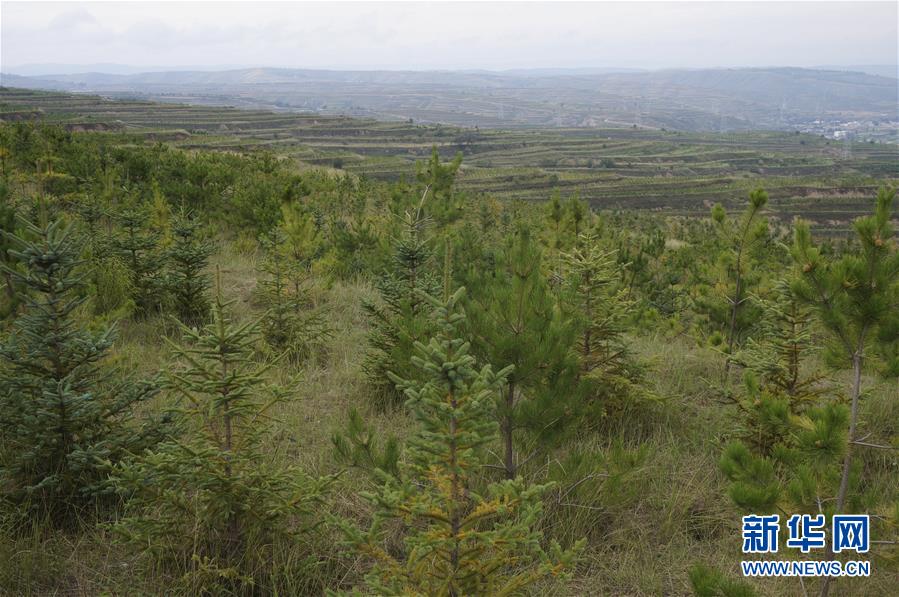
(751, 229)
(514, 321)
(275, 293)
(576, 211)
(790, 431)
(774, 359)
(210, 503)
(724, 272)
(188, 257)
(290, 325)
(457, 540)
(787, 464)
(359, 445)
(594, 299)
(402, 316)
(63, 415)
(138, 245)
(777, 386)
(446, 205)
(555, 215)
(856, 298)
(8, 226)
(110, 283)
(299, 239)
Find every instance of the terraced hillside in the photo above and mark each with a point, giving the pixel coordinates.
(612, 167)
(705, 100)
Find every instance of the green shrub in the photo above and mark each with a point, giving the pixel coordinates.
(457, 541)
(209, 504)
(64, 417)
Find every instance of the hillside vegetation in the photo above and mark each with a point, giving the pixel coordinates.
(700, 100)
(227, 369)
(825, 181)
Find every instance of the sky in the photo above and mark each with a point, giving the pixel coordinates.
(460, 35)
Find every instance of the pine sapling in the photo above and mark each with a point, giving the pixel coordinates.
(786, 341)
(64, 415)
(291, 325)
(359, 445)
(457, 540)
(514, 320)
(138, 244)
(210, 498)
(601, 308)
(188, 257)
(856, 298)
(400, 318)
(750, 230)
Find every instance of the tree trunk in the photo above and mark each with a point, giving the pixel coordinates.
(456, 502)
(732, 331)
(847, 459)
(586, 365)
(10, 288)
(507, 432)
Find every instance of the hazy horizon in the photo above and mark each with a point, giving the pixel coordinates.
(142, 37)
(47, 69)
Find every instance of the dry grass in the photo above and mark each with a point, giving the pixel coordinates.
(670, 510)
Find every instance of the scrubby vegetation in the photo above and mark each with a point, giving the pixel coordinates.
(223, 374)
(611, 166)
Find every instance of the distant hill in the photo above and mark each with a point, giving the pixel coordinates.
(48, 68)
(881, 70)
(693, 100)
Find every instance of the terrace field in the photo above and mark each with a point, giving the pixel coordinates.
(612, 167)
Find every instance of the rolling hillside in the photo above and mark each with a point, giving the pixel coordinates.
(611, 167)
(686, 100)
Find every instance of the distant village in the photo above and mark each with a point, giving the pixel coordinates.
(877, 131)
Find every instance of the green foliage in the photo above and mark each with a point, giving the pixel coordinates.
(793, 463)
(353, 245)
(138, 245)
(64, 416)
(446, 205)
(110, 283)
(655, 285)
(576, 211)
(290, 326)
(209, 502)
(748, 232)
(708, 582)
(111, 287)
(601, 308)
(8, 227)
(856, 298)
(358, 446)
(188, 281)
(781, 347)
(457, 540)
(755, 487)
(514, 320)
(401, 317)
(298, 235)
(792, 436)
(718, 213)
(257, 200)
(778, 388)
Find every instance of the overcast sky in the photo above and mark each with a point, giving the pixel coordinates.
(449, 35)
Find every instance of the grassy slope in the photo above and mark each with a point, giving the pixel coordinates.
(644, 533)
(671, 172)
(670, 511)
